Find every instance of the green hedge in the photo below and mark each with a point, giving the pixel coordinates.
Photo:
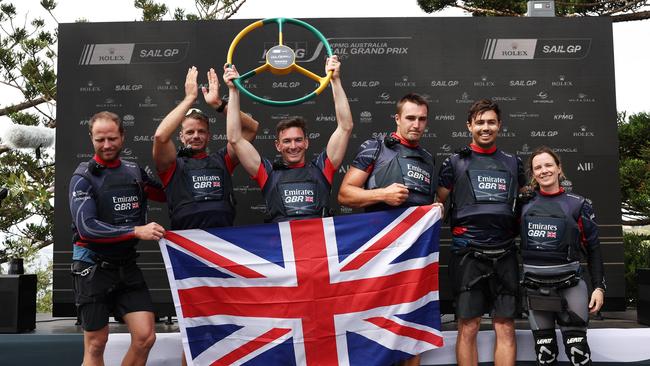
(637, 255)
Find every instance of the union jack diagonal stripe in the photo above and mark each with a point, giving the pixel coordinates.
(349, 290)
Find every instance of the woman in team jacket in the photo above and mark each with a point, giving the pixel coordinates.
(557, 228)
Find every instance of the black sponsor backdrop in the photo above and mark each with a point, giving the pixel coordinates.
(560, 93)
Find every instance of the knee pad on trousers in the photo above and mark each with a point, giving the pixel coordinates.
(576, 347)
(545, 347)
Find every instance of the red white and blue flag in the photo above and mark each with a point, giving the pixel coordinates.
(348, 290)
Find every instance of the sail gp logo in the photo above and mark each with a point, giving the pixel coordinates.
(133, 53)
(533, 48)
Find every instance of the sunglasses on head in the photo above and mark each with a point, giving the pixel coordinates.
(196, 111)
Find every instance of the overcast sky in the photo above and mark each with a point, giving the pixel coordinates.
(631, 53)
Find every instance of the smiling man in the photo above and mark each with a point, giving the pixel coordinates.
(293, 187)
(197, 183)
(482, 183)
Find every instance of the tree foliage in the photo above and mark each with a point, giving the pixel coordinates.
(28, 69)
(205, 10)
(619, 10)
(634, 169)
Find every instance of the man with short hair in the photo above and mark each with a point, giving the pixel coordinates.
(482, 183)
(293, 187)
(108, 202)
(393, 171)
(198, 185)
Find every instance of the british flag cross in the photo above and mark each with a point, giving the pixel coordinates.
(349, 290)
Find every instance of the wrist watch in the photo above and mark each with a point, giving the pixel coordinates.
(224, 103)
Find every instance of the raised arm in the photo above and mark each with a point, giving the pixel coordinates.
(164, 150)
(338, 142)
(211, 96)
(248, 156)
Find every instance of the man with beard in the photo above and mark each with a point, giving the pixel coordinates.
(197, 184)
(109, 205)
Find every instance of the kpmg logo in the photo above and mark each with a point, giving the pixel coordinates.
(509, 49)
(147, 103)
(90, 87)
(445, 117)
(583, 131)
(326, 118)
(585, 166)
(542, 98)
(523, 115)
(561, 81)
(563, 116)
(464, 99)
(167, 85)
(445, 83)
(132, 53)
(128, 87)
(365, 84)
(84, 122)
(582, 98)
(128, 120)
(405, 83)
(522, 82)
(365, 117)
(484, 82)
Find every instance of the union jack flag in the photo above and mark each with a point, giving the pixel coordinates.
(551, 234)
(348, 290)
